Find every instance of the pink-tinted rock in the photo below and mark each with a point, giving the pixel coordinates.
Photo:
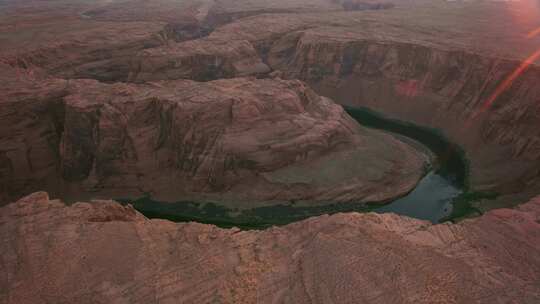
(104, 253)
(202, 59)
(241, 140)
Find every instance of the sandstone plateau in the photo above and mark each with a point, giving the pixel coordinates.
(432, 63)
(438, 67)
(101, 252)
(243, 139)
(201, 59)
(239, 103)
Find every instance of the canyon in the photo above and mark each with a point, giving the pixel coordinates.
(239, 104)
(416, 70)
(241, 140)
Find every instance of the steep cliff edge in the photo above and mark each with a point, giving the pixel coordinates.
(247, 142)
(93, 39)
(90, 49)
(435, 64)
(105, 253)
(97, 39)
(201, 60)
(241, 140)
(433, 86)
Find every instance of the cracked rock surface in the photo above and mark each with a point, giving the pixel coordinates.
(101, 252)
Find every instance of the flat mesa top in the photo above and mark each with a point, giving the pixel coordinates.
(493, 28)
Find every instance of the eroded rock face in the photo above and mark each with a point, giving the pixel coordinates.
(105, 253)
(104, 36)
(93, 39)
(246, 140)
(239, 139)
(97, 50)
(423, 72)
(80, 138)
(432, 86)
(435, 68)
(201, 60)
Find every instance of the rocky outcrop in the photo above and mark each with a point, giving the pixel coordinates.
(376, 58)
(247, 143)
(101, 252)
(421, 71)
(242, 139)
(73, 138)
(104, 36)
(31, 120)
(201, 60)
(434, 86)
(424, 71)
(94, 39)
(97, 50)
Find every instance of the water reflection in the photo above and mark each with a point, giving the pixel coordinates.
(431, 200)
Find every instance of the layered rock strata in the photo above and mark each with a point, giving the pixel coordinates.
(455, 80)
(240, 139)
(201, 60)
(449, 89)
(101, 252)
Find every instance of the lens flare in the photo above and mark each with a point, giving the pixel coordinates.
(408, 88)
(507, 83)
(533, 33)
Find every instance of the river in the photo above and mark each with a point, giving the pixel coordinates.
(431, 200)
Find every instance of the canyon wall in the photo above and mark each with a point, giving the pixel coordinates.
(249, 141)
(200, 60)
(449, 89)
(439, 67)
(242, 140)
(96, 50)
